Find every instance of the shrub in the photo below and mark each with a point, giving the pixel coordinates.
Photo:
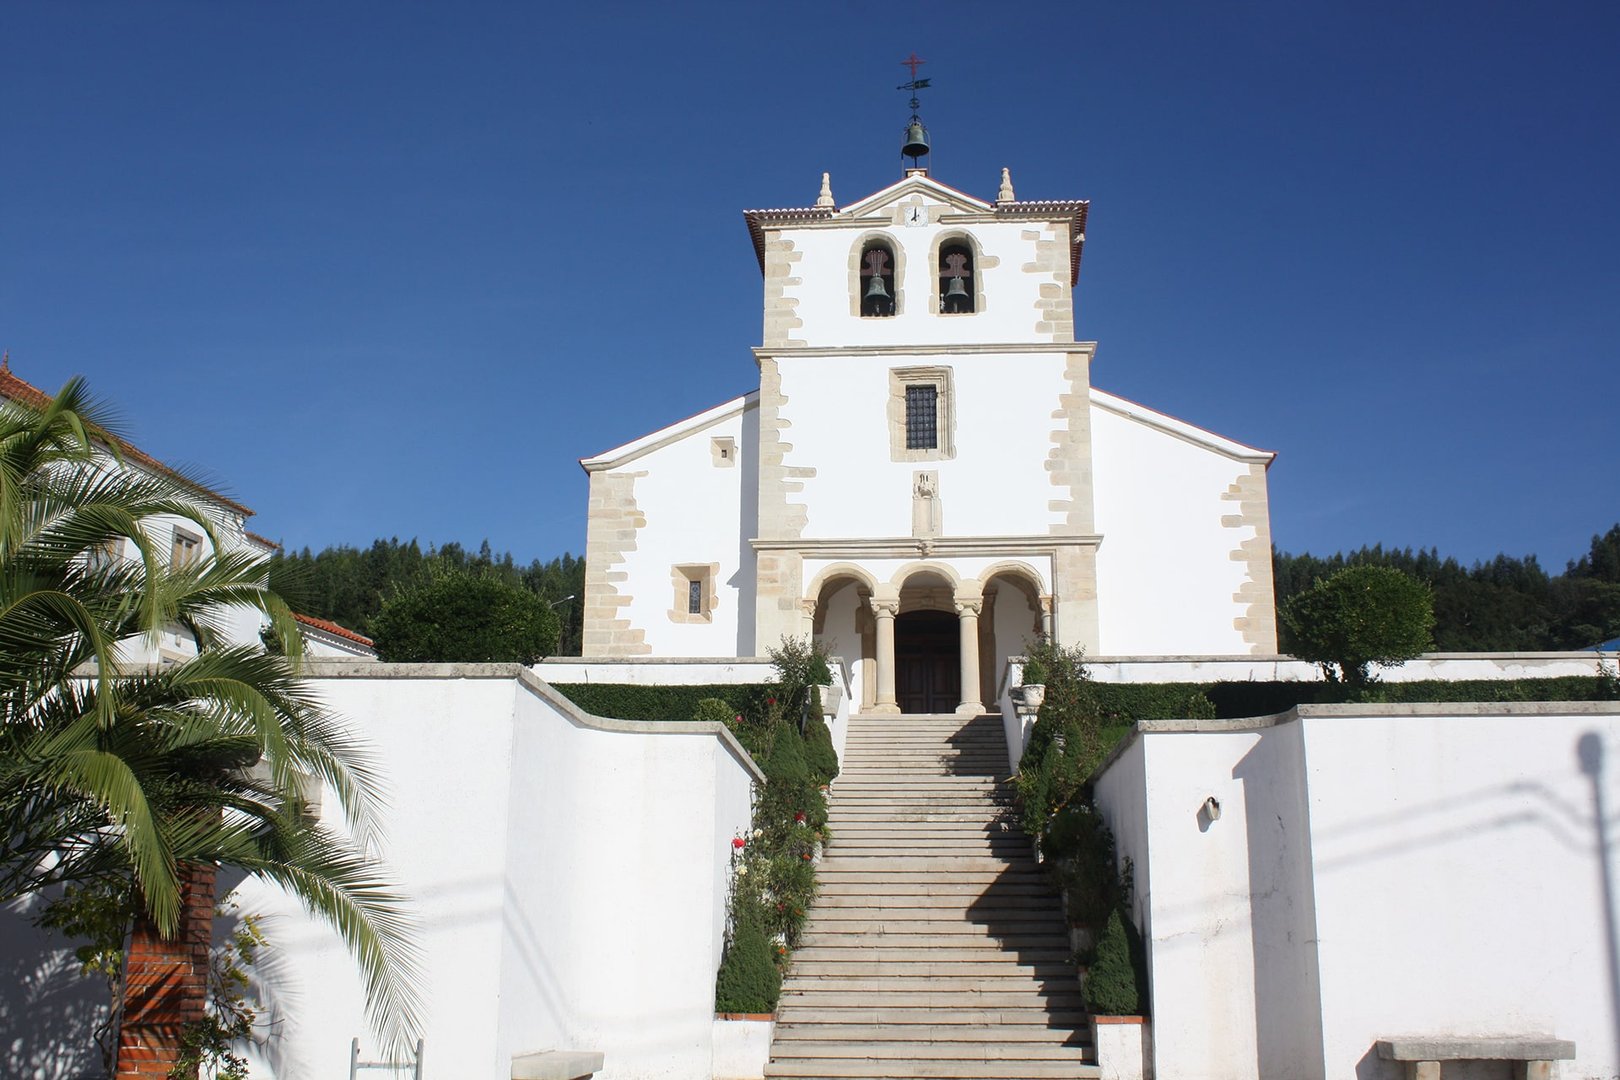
(1065, 745)
(1034, 671)
(633, 701)
(819, 754)
(1080, 846)
(786, 762)
(715, 711)
(749, 980)
(800, 665)
(1360, 616)
(456, 615)
(1115, 985)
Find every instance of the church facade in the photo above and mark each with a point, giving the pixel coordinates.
(926, 478)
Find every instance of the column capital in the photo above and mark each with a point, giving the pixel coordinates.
(885, 607)
(969, 605)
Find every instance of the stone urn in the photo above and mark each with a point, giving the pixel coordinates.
(1029, 696)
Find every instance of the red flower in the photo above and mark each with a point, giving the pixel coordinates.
(738, 843)
(799, 817)
(807, 856)
(770, 701)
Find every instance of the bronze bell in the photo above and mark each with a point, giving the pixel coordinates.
(956, 295)
(916, 140)
(876, 291)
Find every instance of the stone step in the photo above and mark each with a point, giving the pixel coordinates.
(857, 872)
(911, 993)
(855, 953)
(957, 901)
(921, 1050)
(1004, 942)
(956, 891)
(921, 966)
(926, 1070)
(788, 1035)
(934, 921)
(792, 1016)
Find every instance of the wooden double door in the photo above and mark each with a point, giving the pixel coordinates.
(927, 662)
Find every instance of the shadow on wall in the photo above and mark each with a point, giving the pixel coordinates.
(1589, 752)
(50, 1015)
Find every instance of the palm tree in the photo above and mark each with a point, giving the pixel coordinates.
(156, 776)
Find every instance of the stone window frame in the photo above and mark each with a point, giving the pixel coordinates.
(942, 379)
(857, 291)
(682, 576)
(185, 549)
(981, 263)
(723, 450)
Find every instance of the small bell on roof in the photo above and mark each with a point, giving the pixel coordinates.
(1005, 195)
(825, 198)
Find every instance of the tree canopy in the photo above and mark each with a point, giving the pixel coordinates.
(1505, 604)
(461, 615)
(1360, 616)
(349, 585)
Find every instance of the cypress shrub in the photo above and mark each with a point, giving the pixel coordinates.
(786, 763)
(819, 754)
(1114, 984)
(749, 981)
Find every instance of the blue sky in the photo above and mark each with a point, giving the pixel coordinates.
(390, 269)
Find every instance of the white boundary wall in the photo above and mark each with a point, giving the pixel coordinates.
(1170, 669)
(569, 874)
(1376, 870)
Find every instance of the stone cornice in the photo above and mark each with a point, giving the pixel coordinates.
(906, 547)
(948, 349)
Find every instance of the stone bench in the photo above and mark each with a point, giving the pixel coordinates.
(1534, 1054)
(556, 1065)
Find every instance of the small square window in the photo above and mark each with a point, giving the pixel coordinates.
(694, 599)
(724, 452)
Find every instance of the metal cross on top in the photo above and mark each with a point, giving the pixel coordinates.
(913, 62)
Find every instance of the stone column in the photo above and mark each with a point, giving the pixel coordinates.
(967, 615)
(884, 612)
(1046, 617)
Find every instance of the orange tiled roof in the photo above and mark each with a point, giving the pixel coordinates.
(15, 389)
(333, 628)
(265, 540)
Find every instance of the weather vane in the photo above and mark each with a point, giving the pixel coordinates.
(916, 144)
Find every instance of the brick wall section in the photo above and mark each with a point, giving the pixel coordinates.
(166, 981)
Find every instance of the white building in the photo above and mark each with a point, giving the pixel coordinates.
(926, 477)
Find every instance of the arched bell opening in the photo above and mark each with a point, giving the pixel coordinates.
(843, 625)
(1013, 618)
(877, 280)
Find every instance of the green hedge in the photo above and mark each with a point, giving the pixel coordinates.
(624, 701)
(1126, 703)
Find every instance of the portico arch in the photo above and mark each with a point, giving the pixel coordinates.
(839, 601)
(1017, 610)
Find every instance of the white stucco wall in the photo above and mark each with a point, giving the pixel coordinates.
(1455, 666)
(1166, 577)
(657, 670)
(996, 484)
(1375, 871)
(569, 877)
(1009, 312)
(696, 512)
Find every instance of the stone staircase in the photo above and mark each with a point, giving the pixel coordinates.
(936, 948)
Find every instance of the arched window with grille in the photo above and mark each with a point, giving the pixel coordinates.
(957, 288)
(877, 280)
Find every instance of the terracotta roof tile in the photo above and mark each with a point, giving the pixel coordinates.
(333, 628)
(264, 540)
(14, 389)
